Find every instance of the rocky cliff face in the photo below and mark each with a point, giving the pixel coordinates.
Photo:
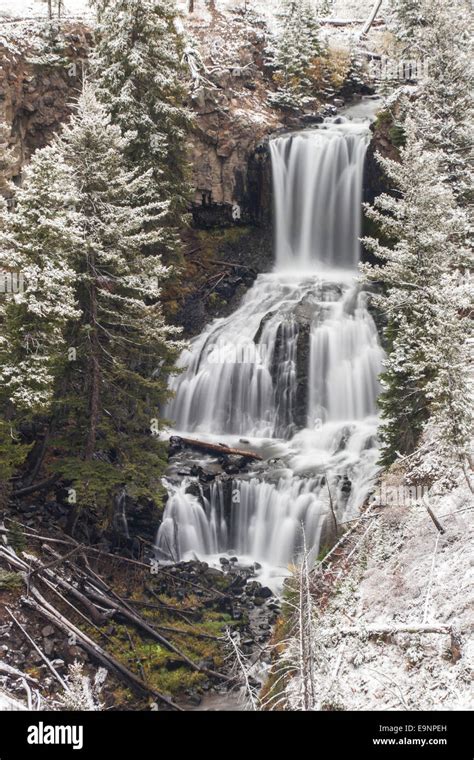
(232, 122)
(40, 74)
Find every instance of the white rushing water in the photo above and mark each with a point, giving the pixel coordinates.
(317, 181)
(293, 370)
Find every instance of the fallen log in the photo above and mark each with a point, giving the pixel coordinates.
(389, 630)
(11, 671)
(35, 646)
(351, 21)
(371, 20)
(41, 486)
(229, 264)
(214, 448)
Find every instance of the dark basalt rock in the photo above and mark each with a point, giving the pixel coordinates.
(264, 592)
(312, 118)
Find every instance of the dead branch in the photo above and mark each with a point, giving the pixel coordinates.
(36, 486)
(35, 646)
(439, 527)
(107, 660)
(139, 622)
(5, 668)
(59, 559)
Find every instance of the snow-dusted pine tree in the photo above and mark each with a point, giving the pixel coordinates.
(447, 91)
(292, 53)
(7, 162)
(439, 37)
(36, 243)
(137, 63)
(447, 439)
(12, 453)
(407, 22)
(428, 232)
(91, 310)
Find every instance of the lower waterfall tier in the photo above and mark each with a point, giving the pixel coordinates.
(294, 370)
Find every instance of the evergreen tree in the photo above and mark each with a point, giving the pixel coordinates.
(324, 7)
(12, 453)
(439, 36)
(293, 52)
(450, 428)
(7, 163)
(408, 22)
(426, 290)
(137, 63)
(427, 256)
(447, 93)
(91, 311)
(36, 242)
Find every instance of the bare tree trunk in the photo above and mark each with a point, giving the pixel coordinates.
(94, 397)
(371, 19)
(191, 6)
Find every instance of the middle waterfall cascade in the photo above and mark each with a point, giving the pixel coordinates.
(294, 370)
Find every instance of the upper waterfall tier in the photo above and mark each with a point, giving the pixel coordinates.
(317, 186)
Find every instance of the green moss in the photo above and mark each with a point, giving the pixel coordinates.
(383, 118)
(215, 302)
(397, 135)
(175, 682)
(159, 667)
(212, 239)
(10, 581)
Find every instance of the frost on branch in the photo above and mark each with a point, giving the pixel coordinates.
(82, 693)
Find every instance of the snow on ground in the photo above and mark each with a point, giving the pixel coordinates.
(345, 36)
(9, 703)
(38, 8)
(405, 574)
(341, 9)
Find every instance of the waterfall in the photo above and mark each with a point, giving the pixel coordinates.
(345, 362)
(317, 185)
(302, 335)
